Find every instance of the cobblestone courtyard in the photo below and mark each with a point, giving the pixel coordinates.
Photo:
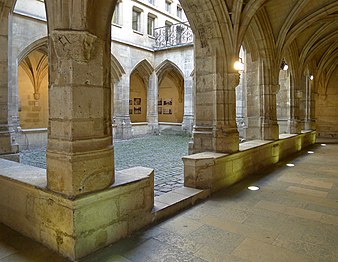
(162, 153)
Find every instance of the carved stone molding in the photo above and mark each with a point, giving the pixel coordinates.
(73, 45)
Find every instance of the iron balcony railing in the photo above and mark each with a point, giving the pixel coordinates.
(173, 36)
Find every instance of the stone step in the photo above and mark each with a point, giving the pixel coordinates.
(170, 203)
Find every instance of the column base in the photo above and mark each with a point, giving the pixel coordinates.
(8, 145)
(153, 124)
(123, 127)
(295, 127)
(214, 140)
(188, 123)
(270, 132)
(79, 173)
(309, 125)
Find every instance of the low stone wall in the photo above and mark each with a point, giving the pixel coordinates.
(32, 138)
(214, 171)
(74, 227)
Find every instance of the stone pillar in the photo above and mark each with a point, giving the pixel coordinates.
(269, 128)
(152, 97)
(8, 147)
(294, 121)
(188, 117)
(302, 102)
(253, 101)
(283, 102)
(80, 151)
(309, 121)
(312, 104)
(295, 126)
(215, 116)
(121, 108)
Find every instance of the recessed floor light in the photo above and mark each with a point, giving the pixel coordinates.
(253, 188)
(290, 165)
(323, 144)
(310, 152)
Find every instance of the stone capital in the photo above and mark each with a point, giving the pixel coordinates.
(233, 80)
(74, 45)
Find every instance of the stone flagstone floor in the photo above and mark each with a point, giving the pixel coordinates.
(293, 217)
(162, 153)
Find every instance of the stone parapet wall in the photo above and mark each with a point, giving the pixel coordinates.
(209, 170)
(74, 227)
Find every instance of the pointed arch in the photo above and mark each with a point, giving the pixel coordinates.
(98, 14)
(326, 67)
(117, 69)
(325, 13)
(166, 67)
(248, 11)
(317, 43)
(288, 22)
(143, 68)
(40, 45)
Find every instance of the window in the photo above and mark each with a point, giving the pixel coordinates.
(151, 2)
(117, 14)
(168, 6)
(179, 12)
(136, 21)
(151, 25)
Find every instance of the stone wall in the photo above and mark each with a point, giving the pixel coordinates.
(209, 170)
(74, 227)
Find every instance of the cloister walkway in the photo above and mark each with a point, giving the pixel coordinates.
(292, 217)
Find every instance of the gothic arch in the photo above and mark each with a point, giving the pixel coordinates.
(143, 68)
(116, 69)
(167, 66)
(40, 44)
(170, 69)
(325, 13)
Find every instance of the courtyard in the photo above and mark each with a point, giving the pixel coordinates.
(162, 153)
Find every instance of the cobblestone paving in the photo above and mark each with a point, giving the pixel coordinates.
(162, 153)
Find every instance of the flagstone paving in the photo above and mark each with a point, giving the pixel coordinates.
(162, 153)
(292, 217)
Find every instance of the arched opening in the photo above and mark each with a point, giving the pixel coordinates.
(33, 89)
(139, 81)
(138, 98)
(241, 99)
(283, 101)
(170, 93)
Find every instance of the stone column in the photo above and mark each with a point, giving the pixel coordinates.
(269, 128)
(188, 117)
(295, 126)
(302, 102)
(253, 99)
(215, 116)
(312, 105)
(8, 147)
(309, 101)
(80, 151)
(152, 97)
(121, 108)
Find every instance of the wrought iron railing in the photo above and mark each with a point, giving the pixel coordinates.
(172, 36)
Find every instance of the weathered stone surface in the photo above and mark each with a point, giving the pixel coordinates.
(213, 171)
(80, 226)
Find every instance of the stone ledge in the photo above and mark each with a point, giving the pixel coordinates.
(77, 227)
(170, 203)
(11, 157)
(214, 171)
